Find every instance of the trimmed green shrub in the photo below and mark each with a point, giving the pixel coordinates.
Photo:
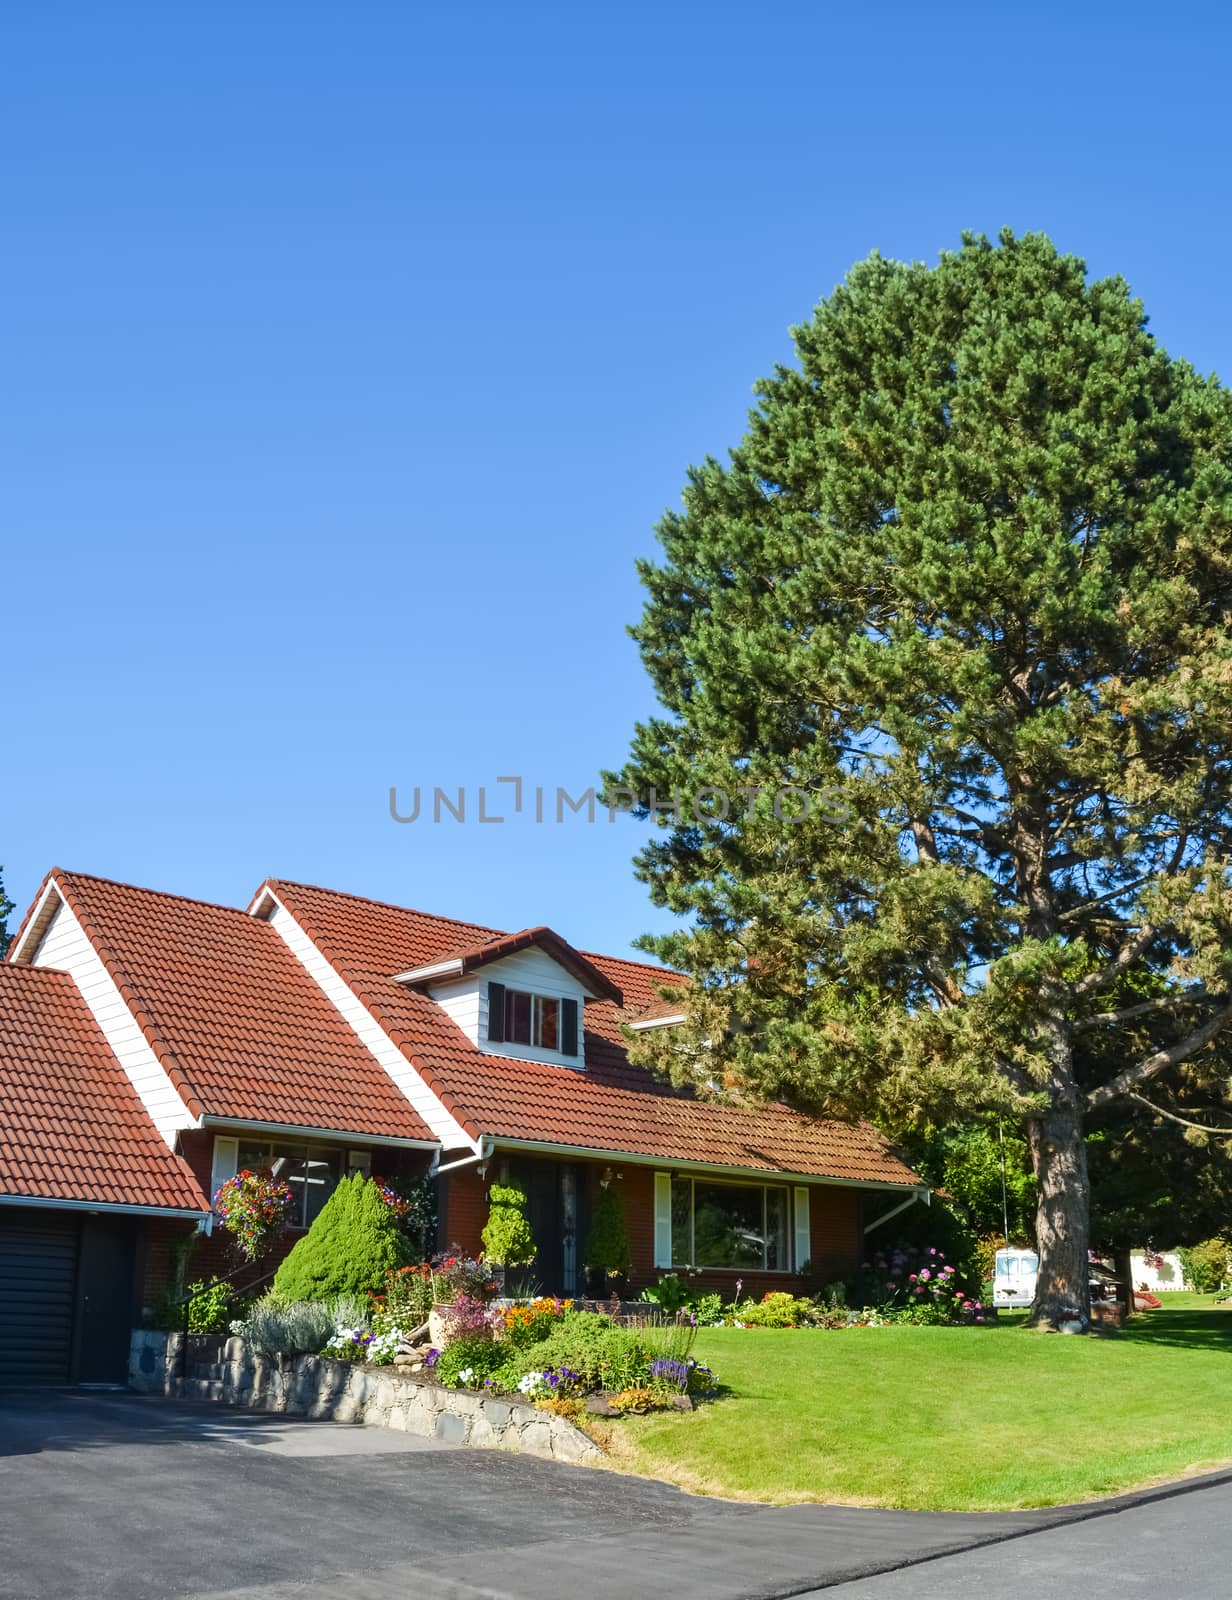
(350, 1249)
(478, 1358)
(607, 1242)
(507, 1239)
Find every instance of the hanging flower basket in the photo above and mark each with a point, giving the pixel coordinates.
(253, 1207)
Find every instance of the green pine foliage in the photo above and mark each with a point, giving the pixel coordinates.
(349, 1249)
(507, 1239)
(6, 907)
(607, 1241)
(964, 585)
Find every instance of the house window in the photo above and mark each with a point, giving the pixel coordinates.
(531, 1019)
(311, 1171)
(729, 1225)
(539, 1021)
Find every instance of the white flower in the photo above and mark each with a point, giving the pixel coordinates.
(467, 1376)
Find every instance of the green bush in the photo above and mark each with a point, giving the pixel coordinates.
(279, 1327)
(350, 1249)
(607, 1242)
(210, 1311)
(479, 1357)
(1205, 1264)
(603, 1355)
(507, 1239)
(776, 1310)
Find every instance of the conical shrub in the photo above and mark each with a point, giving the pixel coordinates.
(350, 1247)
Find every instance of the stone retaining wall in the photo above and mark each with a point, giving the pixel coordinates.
(344, 1391)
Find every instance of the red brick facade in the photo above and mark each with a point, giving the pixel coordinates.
(835, 1225)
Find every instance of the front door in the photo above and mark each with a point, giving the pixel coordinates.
(541, 1181)
(105, 1290)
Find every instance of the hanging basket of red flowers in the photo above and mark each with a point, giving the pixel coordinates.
(253, 1207)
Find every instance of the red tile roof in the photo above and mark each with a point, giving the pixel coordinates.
(72, 1125)
(240, 1027)
(611, 1106)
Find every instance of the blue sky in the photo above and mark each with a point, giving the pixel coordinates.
(350, 355)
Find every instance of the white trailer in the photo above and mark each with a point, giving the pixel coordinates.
(1014, 1277)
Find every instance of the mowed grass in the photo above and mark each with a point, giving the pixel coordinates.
(950, 1418)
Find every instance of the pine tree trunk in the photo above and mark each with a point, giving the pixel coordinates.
(1062, 1217)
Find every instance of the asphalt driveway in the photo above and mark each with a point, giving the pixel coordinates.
(112, 1497)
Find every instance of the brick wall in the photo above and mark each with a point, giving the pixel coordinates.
(463, 1209)
(835, 1225)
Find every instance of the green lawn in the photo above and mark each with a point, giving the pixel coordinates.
(950, 1418)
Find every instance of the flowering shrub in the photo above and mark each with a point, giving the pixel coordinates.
(527, 1325)
(408, 1294)
(455, 1274)
(670, 1372)
(638, 1399)
(467, 1317)
(253, 1207)
(919, 1286)
(775, 1309)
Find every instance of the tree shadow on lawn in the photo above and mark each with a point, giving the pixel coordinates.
(1192, 1329)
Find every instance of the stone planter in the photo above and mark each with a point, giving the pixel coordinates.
(342, 1391)
(438, 1327)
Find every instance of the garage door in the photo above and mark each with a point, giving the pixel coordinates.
(38, 1275)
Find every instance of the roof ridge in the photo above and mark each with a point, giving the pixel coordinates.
(143, 888)
(392, 905)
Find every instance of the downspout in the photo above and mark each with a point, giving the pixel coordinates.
(481, 1157)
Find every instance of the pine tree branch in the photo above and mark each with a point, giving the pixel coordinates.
(1147, 1068)
(1188, 997)
(1129, 953)
(1173, 1117)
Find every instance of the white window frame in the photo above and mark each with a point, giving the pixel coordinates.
(537, 1003)
(791, 1237)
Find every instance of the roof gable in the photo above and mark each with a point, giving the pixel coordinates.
(499, 947)
(239, 1026)
(74, 1129)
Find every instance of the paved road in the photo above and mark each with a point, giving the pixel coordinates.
(119, 1498)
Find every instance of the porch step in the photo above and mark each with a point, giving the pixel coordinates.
(201, 1389)
(206, 1369)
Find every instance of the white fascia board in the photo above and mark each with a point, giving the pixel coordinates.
(66, 946)
(657, 1022)
(437, 969)
(335, 1135)
(447, 1129)
(36, 925)
(672, 1164)
(109, 1207)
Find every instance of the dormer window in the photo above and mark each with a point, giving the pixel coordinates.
(515, 1016)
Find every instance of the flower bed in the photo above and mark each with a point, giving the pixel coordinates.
(440, 1320)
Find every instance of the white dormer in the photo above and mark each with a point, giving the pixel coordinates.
(521, 995)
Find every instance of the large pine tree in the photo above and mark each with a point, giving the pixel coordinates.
(965, 583)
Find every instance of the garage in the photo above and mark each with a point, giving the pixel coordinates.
(66, 1296)
(84, 1174)
(38, 1282)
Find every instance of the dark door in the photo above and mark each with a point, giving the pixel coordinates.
(38, 1274)
(105, 1290)
(541, 1180)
